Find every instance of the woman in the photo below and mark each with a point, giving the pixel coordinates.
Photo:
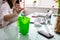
(9, 10)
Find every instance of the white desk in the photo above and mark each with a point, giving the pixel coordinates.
(11, 33)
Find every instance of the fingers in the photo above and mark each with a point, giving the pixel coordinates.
(22, 8)
(17, 8)
(17, 4)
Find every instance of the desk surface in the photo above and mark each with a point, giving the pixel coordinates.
(11, 32)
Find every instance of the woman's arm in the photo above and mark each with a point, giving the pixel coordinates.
(16, 11)
(8, 17)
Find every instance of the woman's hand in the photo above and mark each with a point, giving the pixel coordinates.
(17, 9)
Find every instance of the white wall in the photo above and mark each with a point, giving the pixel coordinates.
(45, 5)
(48, 3)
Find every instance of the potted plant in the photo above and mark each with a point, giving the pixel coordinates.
(57, 28)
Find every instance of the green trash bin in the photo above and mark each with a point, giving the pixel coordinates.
(23, 24)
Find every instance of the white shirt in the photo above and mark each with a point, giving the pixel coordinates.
(0, 9)
(4, 10)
